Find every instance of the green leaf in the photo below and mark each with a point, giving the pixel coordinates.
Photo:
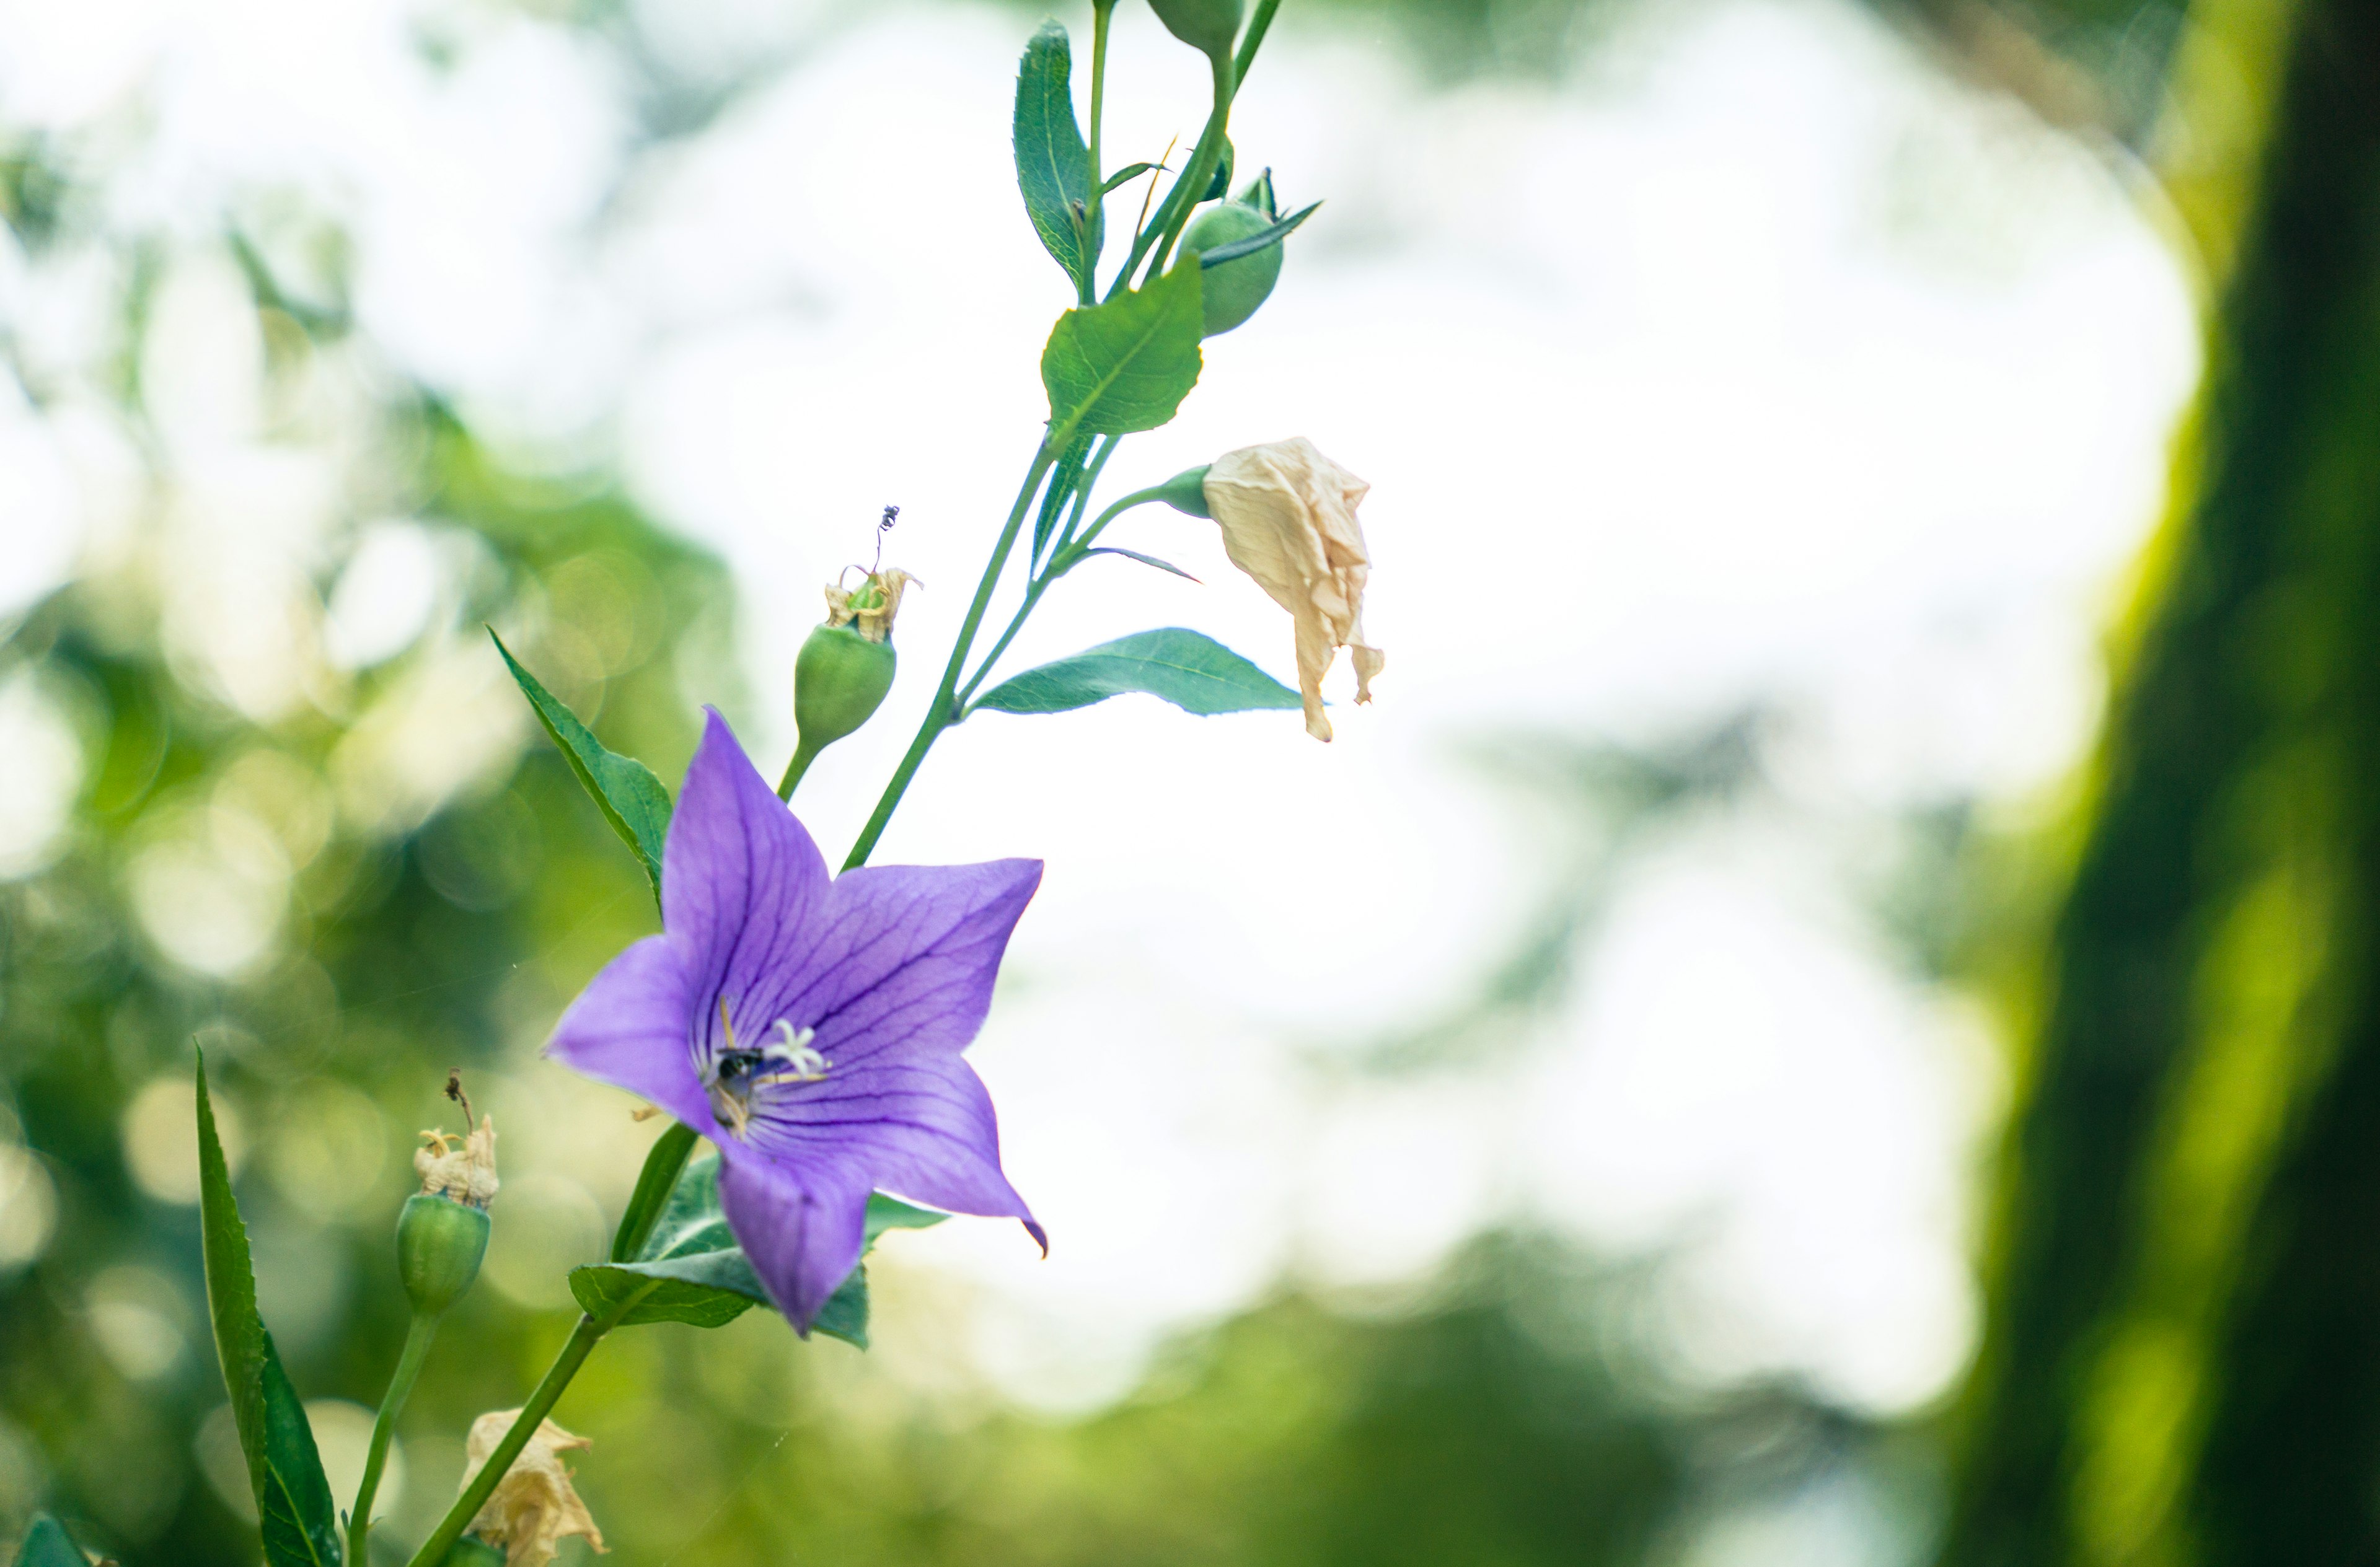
(1125, 365)
(1263, 239)
(1052, 164)
(1144, 560)
(631, 799)
(48, 1545)
(1196, 673)
(1126, 175)
(293, 1499)
(1062, 481)
(655, 1183)
(691, 1270)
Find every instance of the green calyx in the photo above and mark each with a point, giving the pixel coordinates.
(440, 1244)
(1210, 26)
(1185, 491)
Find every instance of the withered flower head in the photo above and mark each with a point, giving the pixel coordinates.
(533, 1508)
(462, 1168)
(871, 606)
(1288, 516)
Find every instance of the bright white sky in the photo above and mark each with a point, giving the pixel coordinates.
(1758, 362)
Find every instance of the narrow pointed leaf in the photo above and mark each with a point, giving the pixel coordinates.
(1144, 560)
(47, 1544)
(1196, 673)
(293, 1500)
(1263, 239)
(623, 789)
(1125, 365)
(1061, 490)
(1052, 164)
(1126, 175)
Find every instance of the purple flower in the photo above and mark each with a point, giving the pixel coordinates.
(809, 1027)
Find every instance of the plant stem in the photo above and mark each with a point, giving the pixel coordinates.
(400, 1388)
(1083, 490)
(804, 754)
(1192, 184)
(1258, 25)
(1069, 555)
(1192, 189)
(1100, 11)
(938, 715)
(581, 1344)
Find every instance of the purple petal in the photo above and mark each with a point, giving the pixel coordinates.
(908, 956)
(628, 1029)
(743, 888)
(803, 1234)
(917, 1125)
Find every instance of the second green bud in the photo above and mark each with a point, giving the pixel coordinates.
(845, 667)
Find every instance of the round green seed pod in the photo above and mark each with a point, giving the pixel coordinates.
(440, 1243)
(1210, 26)
(840, 679)
(1233, 290)
(473, 1551)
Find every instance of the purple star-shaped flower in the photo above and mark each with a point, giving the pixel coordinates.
(809, 1027)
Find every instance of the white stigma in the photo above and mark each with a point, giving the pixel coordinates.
(792, 1046)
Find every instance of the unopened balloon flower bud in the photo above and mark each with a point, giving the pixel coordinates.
(1232, 291)
(1288, 519)
(441, 1233)
(533, 1508)
(1209, 26)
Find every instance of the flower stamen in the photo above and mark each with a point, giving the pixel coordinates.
(738, 1072)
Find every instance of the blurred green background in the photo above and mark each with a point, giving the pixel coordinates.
(2181, 1352)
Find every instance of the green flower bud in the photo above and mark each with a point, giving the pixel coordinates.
(473, 1551)
(1233, 290)
(1209, 26)
(1185, 491)
(840, 680)
(439, 1245)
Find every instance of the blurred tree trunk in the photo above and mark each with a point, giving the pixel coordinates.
(2182, 1358)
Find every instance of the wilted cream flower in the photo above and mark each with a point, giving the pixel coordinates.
(533, 1508)
(872, 604)
(1288, 516)
(461, 1167)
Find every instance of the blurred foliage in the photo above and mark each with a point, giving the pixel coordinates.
(1504, 1415)
(2181, 1363)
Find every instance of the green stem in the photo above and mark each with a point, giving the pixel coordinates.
(1202, 170)
(1258, 25)
(1100, 11)
(1191, 187)
(804, 754)
(1083, 490)
(938, 715)
(581, 1344)
(400, 1388)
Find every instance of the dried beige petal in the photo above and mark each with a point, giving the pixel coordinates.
(461, 1167)
(533, 1508)
(873, 604)
(1288, 516)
